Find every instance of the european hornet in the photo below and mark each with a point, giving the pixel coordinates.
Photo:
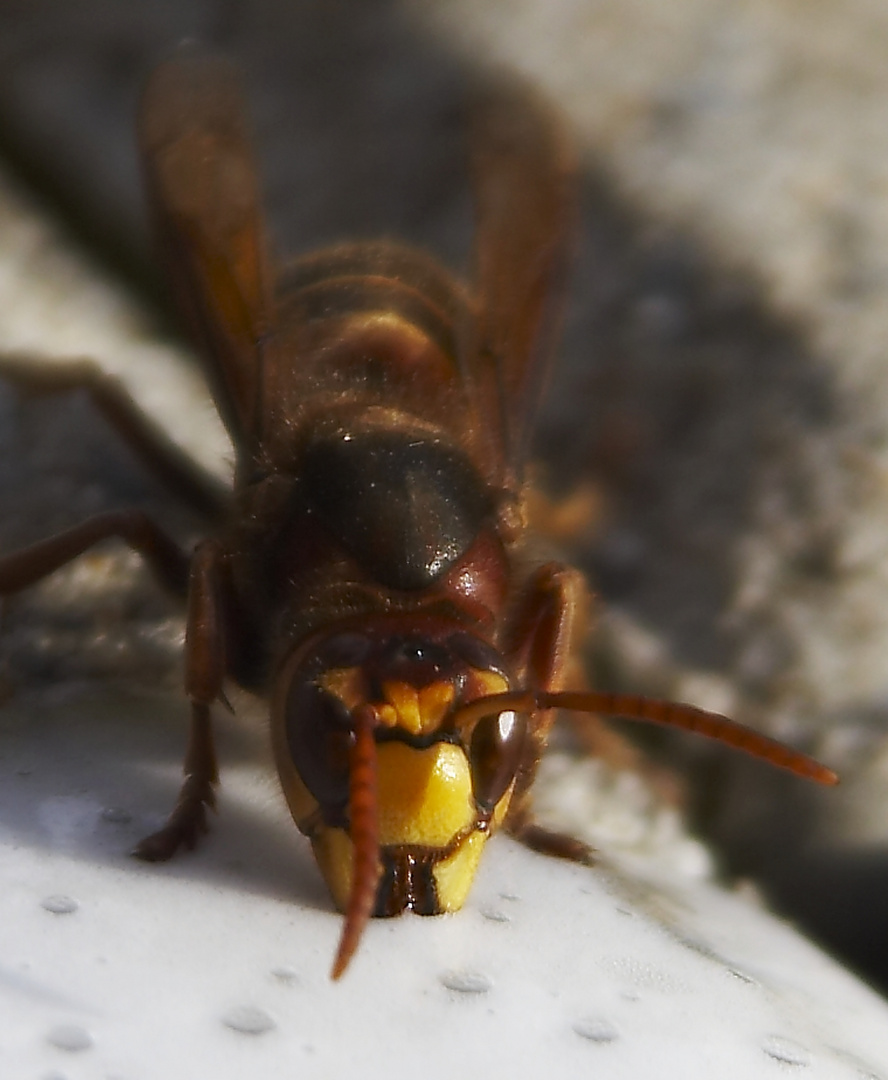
(371, 572)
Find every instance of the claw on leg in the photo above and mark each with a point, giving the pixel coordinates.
(186, 824)
(188, 821)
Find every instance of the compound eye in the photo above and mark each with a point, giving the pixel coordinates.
(495, 752)
(319, 737)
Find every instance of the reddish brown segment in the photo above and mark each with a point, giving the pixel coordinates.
(364, 834)
(654, 711)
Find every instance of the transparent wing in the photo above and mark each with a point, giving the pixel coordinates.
(204, 197)
(524, 173)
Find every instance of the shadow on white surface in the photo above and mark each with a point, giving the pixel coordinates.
(217, 964)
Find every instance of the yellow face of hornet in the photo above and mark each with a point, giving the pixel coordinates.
(441, 790)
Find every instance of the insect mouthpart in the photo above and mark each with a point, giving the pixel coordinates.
(395, 784)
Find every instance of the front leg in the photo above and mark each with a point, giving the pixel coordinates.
(205, 668)
(539, 644)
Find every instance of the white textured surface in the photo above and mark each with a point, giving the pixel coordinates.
(217, 964)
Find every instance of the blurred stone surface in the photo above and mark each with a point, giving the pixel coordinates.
(722, 383)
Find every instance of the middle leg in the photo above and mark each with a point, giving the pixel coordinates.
(540, 644)
(205, 670)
